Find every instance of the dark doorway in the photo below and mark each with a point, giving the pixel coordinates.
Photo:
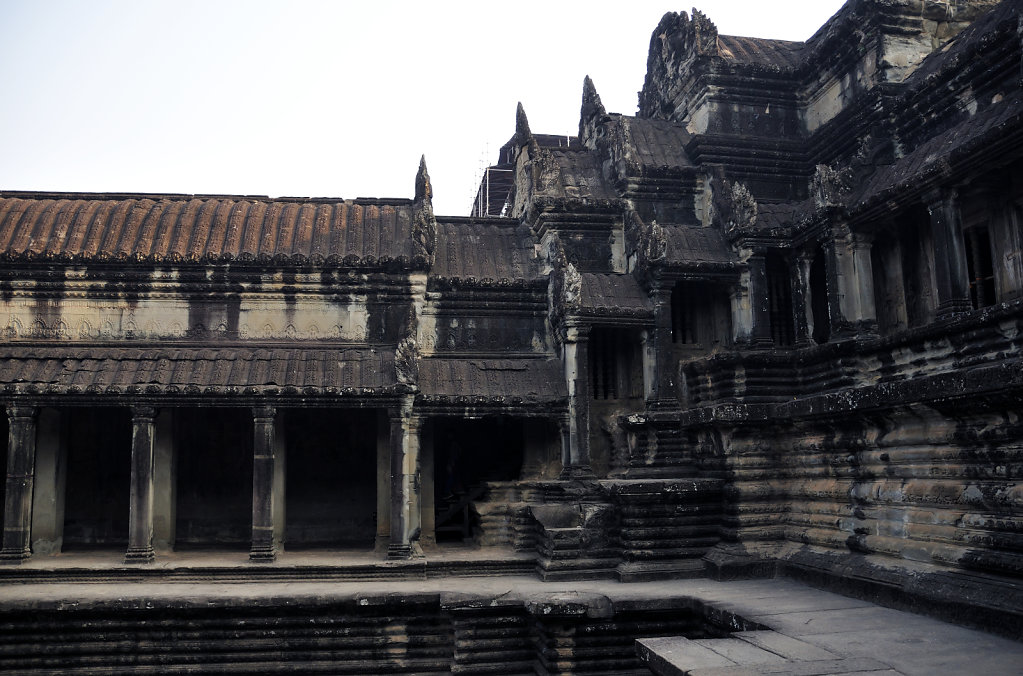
(980, 266)
(819, 298)
(214, 478)
(917, 256)
(616, 363)
(468, 454)
(331, 478)
(98, 478)
(779, 296)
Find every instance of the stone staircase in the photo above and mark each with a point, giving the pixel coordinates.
(503, 518)
(665, 526)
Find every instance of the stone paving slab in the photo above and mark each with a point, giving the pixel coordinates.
(853, 666)
(739, 651)
(677, 656)
(781, 644)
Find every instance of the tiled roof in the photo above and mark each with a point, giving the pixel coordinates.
(978, 35)
(933, 156)
(190, 370)
(694, 246)
(490, 249)
(581, 176)
(782, 54)
(494, 381)
(202, 228)
(658, 144)
(613, 295)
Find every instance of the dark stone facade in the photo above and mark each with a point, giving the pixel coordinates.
(769, 324)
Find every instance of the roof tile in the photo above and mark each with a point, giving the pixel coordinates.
(57, 369)
(194, 228)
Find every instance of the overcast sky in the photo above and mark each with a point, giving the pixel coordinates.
(307, 98)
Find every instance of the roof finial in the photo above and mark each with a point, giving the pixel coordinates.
(591, 99)
(424, 224)
(522, 133)
(592, 113)
(424, 190)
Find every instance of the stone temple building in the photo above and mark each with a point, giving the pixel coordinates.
(769, 324)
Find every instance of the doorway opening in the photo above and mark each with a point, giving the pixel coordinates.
(214, 478)
(98, 489)
(331, 484)
(467, 455)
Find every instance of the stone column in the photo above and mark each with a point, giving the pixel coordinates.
(760, 301)
(21, 458)
(950, 273)
(140, 516)
(405, 517)
(576, 457)
(263, 547)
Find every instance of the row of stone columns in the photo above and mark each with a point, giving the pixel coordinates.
(403, 457)
(21, 453)
(850, 275)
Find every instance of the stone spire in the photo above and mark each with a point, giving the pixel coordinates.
(424, 224)
(592, 114)
(522, 133)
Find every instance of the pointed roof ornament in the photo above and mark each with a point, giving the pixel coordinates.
(424, 189)
(592, 114)
(591, 100)
(522, 133)
(424, 224)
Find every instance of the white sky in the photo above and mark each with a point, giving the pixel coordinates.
(315, 98)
